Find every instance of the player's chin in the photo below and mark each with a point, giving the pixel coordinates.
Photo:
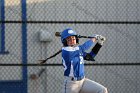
(72, 44)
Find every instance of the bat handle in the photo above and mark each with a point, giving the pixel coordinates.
(79, 36)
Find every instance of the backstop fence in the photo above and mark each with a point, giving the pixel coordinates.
(117, 65)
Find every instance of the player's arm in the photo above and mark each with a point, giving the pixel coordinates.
(90, 56)
(87, 45)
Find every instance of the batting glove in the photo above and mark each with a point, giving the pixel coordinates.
(96, 36)
(101, 39)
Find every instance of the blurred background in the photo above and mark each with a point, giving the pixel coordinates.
(27, 34)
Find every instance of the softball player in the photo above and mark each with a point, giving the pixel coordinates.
(73, 56)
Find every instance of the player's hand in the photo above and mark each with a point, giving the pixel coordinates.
(95, 37)
(101, 39)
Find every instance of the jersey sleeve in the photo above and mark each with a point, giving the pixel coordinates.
(87, 45)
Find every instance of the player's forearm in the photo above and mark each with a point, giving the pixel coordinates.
(90, 56)
(95, 49)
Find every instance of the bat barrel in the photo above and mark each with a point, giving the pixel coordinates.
(58, 34)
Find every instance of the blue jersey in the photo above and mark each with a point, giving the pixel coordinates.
(73, 59)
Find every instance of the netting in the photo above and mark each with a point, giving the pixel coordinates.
(116, 65)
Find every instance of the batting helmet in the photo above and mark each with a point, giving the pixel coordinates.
(66, 33)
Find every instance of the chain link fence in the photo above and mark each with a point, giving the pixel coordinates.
(116, 65)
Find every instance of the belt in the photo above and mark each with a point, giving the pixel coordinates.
(75, 78)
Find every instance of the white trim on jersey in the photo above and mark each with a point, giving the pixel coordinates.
(70, 48)
(71, 70)
(64, 64)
